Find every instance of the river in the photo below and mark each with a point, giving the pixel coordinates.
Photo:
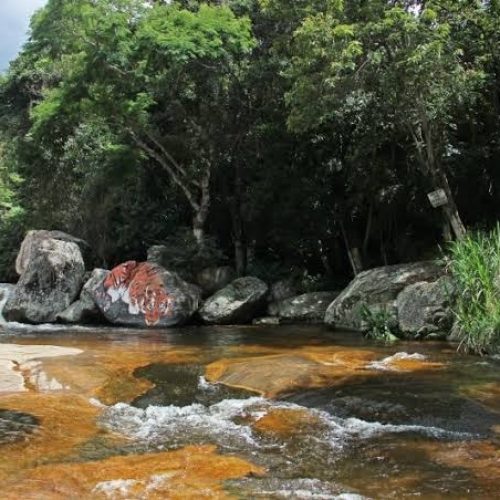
(295, 412)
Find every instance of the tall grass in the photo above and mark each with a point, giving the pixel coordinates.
(475, 266)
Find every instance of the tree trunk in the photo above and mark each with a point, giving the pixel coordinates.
(352, 252)
(450, 210)
(324, 258)
(240, 250)
(201, 211)
(240, 257)
(424, 143)
(199, 230)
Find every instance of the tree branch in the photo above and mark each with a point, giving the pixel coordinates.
(167, 167)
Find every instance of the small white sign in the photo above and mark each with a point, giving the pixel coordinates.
(438, 198)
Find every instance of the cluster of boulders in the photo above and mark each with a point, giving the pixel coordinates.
(57, 284)
(414, 300)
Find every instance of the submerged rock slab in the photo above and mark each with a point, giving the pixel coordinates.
(277, 374)
(188, 473)
(286, 422)
(488, 394)
(16, 426)
(13, 357)
(65, 422)
(283, 371)
(480, 458)
(141, 294)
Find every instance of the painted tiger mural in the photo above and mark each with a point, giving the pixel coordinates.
(141, 287)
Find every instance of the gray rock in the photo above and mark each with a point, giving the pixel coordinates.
(93, 281)
(80, 312)
(145, 295)
(309, 307)
(52, 278)
(213, 279)
(425, 308)
(239, 302)
(5, 291)
(33, 240)
(455, 334)
(16, 426)
(85, 310)
(377, 288)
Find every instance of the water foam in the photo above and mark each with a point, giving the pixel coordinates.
(228, 424)
(183, 423)
(386, 364)
(15, 327)
(296, 489)
(117, 488)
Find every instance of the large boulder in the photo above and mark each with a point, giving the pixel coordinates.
(239, 302)
(33, 240)
(85, 310)
(140, 294)
(424, 309)
(213, 279)
(5, 291)
(308, 307)
(51, 279)
(377, 289)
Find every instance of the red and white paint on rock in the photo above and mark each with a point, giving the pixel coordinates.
(141, 286)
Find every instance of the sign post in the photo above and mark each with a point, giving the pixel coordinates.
(438, 198)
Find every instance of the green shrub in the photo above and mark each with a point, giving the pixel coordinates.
(379, 324)
(475, 266)
(12, 230)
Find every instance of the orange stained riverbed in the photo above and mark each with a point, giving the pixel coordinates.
(243, 412)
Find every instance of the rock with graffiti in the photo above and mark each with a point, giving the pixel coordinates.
(142, 294)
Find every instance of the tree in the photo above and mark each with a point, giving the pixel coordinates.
(159, 77)
(397, 55)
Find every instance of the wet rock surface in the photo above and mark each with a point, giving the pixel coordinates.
(16, 426)
(135, 416)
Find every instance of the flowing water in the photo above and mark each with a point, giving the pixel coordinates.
(243, 412)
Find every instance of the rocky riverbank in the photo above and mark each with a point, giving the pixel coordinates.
(57, 283)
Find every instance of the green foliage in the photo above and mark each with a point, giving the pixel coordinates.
(475, 266)
(182, 253)
(288, 130)
(379, 323)
(11, 215)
